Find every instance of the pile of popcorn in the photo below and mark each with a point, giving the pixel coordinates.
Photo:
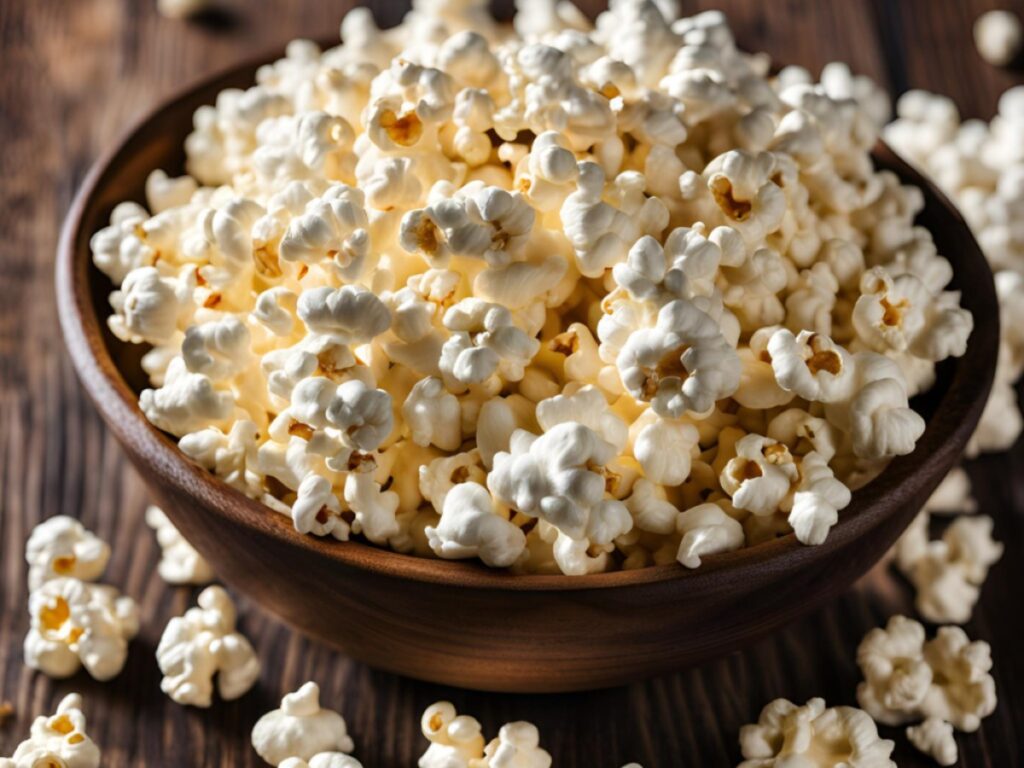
(564, 297)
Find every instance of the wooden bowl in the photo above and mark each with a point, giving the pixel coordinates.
(458, 622)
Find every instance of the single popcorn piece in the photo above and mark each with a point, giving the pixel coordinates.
(516, 292)
(322, 760)
(948, 573)
(62, 547)
(179, 561)
(75, 624)
(57, 740)
(935, 738)
(953, 495)
(908, 678)
(204, 643)
(998, 36)
(300, 729)
(812, 734)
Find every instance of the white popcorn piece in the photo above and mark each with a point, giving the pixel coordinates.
(706, 530)
(953, 495)
(517, 744)
(300, 729)
(164, 192)
(935, 738)
(62, 547)
(682, 363)
(949, 572)
(812, 734)
(179, 561)
(471, 527)
(433, 415)
(761, 475)
(57, 740)
(180, 9)
(811, 366)
(998, 36)
(150, 307)
(75, 624)
(322, 760)
(333, 227)
(665, 449)
(202, 644)
(908, 678)
(484, 341)
(819, 497)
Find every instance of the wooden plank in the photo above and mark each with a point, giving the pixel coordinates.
(73, 74)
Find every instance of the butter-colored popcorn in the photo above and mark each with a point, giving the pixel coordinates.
(204, 643)
(953, 495)
(61, 546)
(75, 624)
(455, 740)
(998, 36)
(300, 729)
(761, 476)
(516, 746)
(439, 254)
(179, 561)
(935, 738)
(180, 9)
(57, 740)
(812, 734)
(963, 692)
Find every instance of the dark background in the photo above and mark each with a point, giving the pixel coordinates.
(73, 74)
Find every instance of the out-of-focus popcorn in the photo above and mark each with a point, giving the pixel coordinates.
(179, 561)
(999, 36)
(559, 296)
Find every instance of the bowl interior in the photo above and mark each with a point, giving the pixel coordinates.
(111, 373)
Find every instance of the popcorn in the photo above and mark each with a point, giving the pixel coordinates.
(179, 561)
(908, 678)
(204, 643)
(706, 530)
(180, 9)
(788, 734)
(935, 738)
(465, 290)
(62, 547)
(998, 36)
(57, 740)
(470, 527)
(75, 624)
(456, 742)
(948, 573)
(301, 729)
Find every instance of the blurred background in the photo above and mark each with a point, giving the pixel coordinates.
(73, 75)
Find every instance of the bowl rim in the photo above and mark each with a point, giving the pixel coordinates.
(156, 452)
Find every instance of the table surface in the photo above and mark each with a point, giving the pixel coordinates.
(73, 74)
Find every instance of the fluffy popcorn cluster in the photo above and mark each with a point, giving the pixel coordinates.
(204, 643)
(303, 735)
(562, 297)
(74, 622)
(813, 735)
(179, 561)
(57, 740)
(980, 166)
(944, 682)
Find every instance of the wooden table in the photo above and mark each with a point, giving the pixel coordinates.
(73, 73)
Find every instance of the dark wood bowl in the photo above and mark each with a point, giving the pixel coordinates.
(458, 622)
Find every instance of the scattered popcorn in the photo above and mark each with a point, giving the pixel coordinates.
(204, 643)
(935, 738)
(944, 682)
(62, 547)
(810, 735)
(75, 624)
(558, 296)
(301, 730)
(998, 36)
(179, 561)
(58, 740)
(456, 742)
(978, 166)
(953, 495)
(947, 574)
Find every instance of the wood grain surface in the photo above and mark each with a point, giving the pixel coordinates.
(72, 74)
